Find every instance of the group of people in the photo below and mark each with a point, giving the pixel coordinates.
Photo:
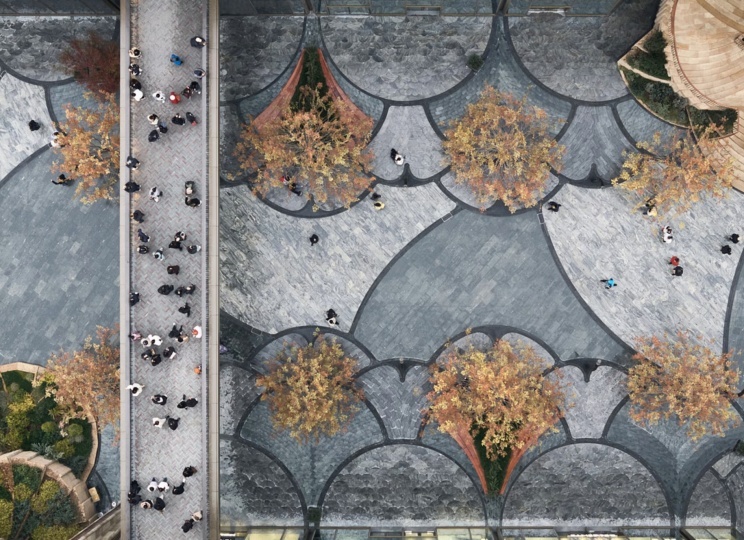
(158, 489)
(152, 343)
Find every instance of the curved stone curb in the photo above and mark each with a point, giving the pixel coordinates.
(62, 474)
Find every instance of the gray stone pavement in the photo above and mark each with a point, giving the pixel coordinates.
(709, 503)
(30, 45)
(405, 58)
(408, 131)
(255, 51)
(19, 103)
(403, 486)
(159, 29)
(588, 483)
(576, 56)
(474, 270)
(642, 125)
(58, 274)
(616, 242)
(735, 337)
(594, 139)
(262, 249)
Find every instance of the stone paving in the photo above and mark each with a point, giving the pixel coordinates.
(29, 45)
(405, 58)
(158, 29)
(59, 273)
(431, 272)
(576, 56)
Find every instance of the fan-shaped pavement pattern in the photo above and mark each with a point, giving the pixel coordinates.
(709, 504)
(402, 486)
(589, 483)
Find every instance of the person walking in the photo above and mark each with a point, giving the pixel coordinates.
(185, 309)
(178, 119)
(159, 503)
(135, 70)
(726, 250)
(198, 42)
(134, 52)
(193, 202)
(33, 125)
(734, 238)
(186, 92)
(609, 283)
(176, 60)
(196, 332)
(142, 236)
(172, 422)
(195, 87)
(193, 249)
(331, 317)
(135, 389)
(174, 269)
(159, 399)
(197, 516)
(314, 239)
(146, 504)
(159, 96)
(554, 206)
(153, 136)
(165, 290)
(159, 254)
(666, 234)
(199, 73)
(187, 525)
(674, 261)
(142, 250)
(191, 118)
(178, 490)
(163, 486)
(174, 98)
(187, 403)
(153, 485)
(155, 194)
(158, 422)
(175, 331)
(137, 94)
(397, 158)
(169, 353)
(132, 162)
(134, 298)
(138, 216)
(677, 271)
(180, 236)
(379, 205)
(189, 471)
(175, 244)
(131, 187)
(153, 119)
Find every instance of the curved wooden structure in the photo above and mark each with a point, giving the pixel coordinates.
(706, 62)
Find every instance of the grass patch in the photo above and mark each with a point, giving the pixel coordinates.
(312, 76)
(494, 470)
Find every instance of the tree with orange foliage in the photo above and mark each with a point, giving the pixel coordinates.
(677, 173)
(679, 378)
(311, 390)
(320, 146)
(94, 62)
(89, 147)
(500, 392)
(502, 149)
(86, 382)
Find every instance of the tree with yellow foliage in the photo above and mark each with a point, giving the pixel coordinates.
(89, 148)
(500, 392)
(502, 149)
(677, 173)
(320, 145)
(679, 378)
(311, 391)
(86, 382)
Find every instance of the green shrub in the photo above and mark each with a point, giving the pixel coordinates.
(475, 62)
(47, 491)
(494, 470)
(21, 492)
(5, 495)
(75, 463)
(65, 447)
(59, 511)
(655, 42)
(21, 379)
(659, 97)
(49, 427)
(54, 533)
(23, 474)
(311, 75)
(653, 64)
(6, 518)
(18, 422)
(74, 430)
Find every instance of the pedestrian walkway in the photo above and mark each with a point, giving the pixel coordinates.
(160, 28)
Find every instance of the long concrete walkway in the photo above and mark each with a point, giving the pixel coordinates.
(159, 28)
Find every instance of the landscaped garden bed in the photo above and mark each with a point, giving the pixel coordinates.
(30, 420)
(33, 507)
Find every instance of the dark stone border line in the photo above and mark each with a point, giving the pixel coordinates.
(244, 417)
(15, 170)
(573, 289)
(730, 304)
(610, 419)
(290, 65)
(567, 123)
(602, 442)
(572, 100)
(29, 80)
(394, 260)
(282, 466)
(399, 442)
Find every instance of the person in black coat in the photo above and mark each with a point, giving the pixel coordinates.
(153, 136)
(187, 525)
(175, 331)
(131, 187)
(159, 399)
(189, 471)
(159, 504)
(138, 216)
(178, 490)
(173, 422)
(134, 298)
(165, 289)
